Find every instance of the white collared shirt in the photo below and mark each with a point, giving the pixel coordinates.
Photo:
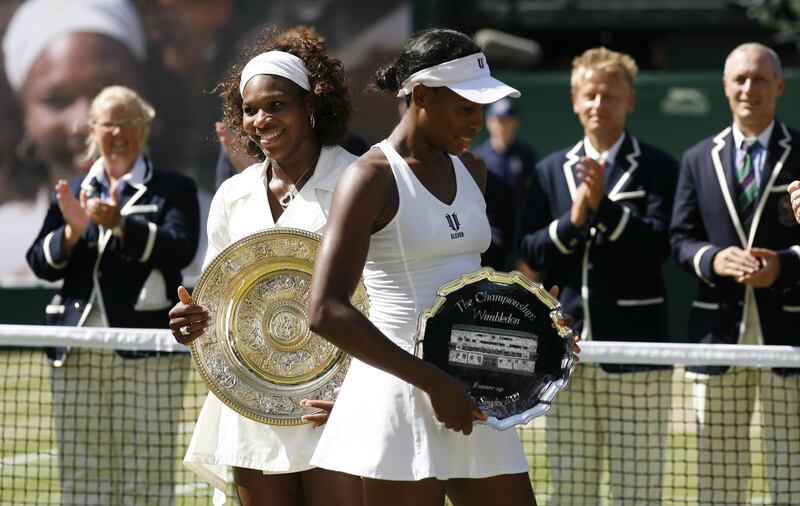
(241, 207)
(609, 156)
(759, 155)
(135, 176)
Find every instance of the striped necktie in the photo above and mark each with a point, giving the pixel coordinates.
(746, 176)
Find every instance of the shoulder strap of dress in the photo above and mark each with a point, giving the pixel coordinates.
(400, 168)
(464, 179)
(459, 166)
(395, 160)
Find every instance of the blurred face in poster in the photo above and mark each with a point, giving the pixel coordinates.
(184, 30)
(58, 90)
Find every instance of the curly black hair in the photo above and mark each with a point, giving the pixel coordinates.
(424, 49)
(329, 95)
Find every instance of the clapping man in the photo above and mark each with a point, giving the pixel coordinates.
(596, 225)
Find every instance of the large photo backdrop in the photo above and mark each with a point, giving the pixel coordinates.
(57, 54)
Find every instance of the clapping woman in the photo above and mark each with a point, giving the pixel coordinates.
(290, 99)
(118, 239)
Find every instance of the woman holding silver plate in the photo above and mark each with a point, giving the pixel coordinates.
(411, 215)
(290, 99)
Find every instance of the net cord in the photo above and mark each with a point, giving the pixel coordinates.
(90, 337)
(611, 352)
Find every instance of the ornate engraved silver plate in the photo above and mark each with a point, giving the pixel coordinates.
(259, 356)
(501, 335)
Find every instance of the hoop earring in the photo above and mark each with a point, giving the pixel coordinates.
(312, 120)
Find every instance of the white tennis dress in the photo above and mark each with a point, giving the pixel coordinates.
(222, 437)
(383, 427)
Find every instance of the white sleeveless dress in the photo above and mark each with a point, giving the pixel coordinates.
(223, 437)
(383, 427)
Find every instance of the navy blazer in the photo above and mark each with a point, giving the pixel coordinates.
(136, 278)
(706, 220)
(609, 270)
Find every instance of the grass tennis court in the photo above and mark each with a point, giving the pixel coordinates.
(28, 454)
(680, 485)
(680, 466)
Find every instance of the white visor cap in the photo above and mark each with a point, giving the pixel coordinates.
(468, 76)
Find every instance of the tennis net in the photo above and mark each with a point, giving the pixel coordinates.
(106, 427)
(661, 424)
(653, 434)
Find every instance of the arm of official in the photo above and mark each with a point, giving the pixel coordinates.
(547, 239)
(688, 236)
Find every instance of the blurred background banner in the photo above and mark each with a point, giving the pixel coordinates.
(61, 53)
(680, 45)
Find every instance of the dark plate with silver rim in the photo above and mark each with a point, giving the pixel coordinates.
(501, 335)
(259, 356)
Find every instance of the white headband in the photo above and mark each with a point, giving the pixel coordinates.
(276, 63)
(468, 76)
(38, 23)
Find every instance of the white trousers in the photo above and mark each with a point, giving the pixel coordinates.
(724, 406)
(116, 424)
(627, 415)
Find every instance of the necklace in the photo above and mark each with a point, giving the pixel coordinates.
(289, 195)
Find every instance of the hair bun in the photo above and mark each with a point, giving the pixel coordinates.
(386, 78)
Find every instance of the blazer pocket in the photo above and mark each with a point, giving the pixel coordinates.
(145, 208)
(791, 309)
(54, 309)
(780, 189)
(637, 194)
(710, 306)
(640, 302)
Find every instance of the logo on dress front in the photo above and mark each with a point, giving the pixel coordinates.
(455, 225)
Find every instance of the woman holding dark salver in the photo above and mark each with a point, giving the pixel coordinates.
(402, 424)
